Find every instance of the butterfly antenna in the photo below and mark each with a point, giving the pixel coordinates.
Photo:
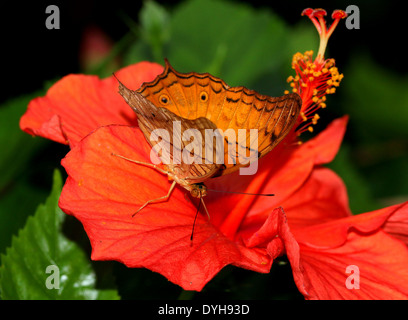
(113, 73)
(195, 218)
(205, 208)
(250, 194)
(198, 209)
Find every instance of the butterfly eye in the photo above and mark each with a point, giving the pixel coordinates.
(203, 96)
(164, 99)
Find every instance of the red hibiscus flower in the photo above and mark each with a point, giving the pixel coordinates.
(78, 104)
(333, 254)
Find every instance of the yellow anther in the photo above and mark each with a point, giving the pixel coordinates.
(333, 70)
(314, 81)
(329, 63)
(315, 118)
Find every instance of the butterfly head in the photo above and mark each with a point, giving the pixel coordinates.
(198, 190)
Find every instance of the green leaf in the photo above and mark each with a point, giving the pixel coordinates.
(18, 196)
(360, 197)
(377, 100)
(236, 42)
(155, 27)
(16, 146)
(15, 205)
(43, 264)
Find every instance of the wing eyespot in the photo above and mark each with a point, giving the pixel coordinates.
(203, 96)
(164, 99)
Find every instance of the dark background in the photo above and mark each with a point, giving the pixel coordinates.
(32, 54)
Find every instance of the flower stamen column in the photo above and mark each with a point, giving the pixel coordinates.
(315, 78)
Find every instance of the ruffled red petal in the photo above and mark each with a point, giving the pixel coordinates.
(322, 198)
(78, 104)
(327, 249)
(283, 172)
(103, 191)
(397, 224)
(376, 263)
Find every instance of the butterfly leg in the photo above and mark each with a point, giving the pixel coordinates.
(151, 165)
(205, 208)
(161, 199)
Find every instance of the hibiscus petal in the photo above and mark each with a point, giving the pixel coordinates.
(397, 224)
(327, 249)
(322, 198)
(278, 238)
(78, 104)
(282, 172)
(365, 267)
(324, 147)
(323, 273)
(103, 191)
(334, 233)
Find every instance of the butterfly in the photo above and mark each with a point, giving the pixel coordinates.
(196, 103)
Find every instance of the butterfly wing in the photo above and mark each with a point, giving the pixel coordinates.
(188, 95)
(194, 95)
(178, 140)
(271, 117)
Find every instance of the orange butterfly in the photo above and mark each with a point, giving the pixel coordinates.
(203, 102)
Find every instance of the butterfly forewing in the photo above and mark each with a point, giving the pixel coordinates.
(188, 160)
(202, 101)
